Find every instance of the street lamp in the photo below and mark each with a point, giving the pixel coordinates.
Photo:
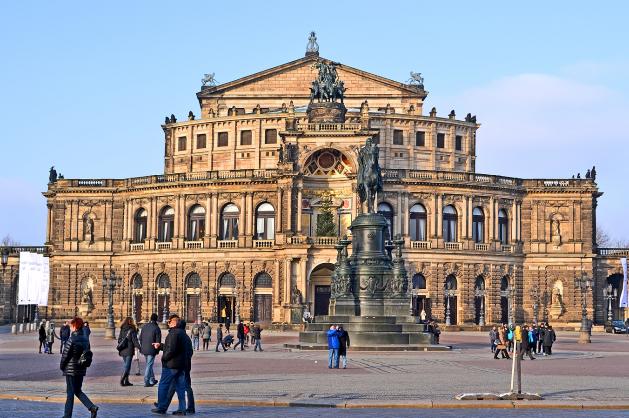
(610, 293)
(584, 283)
(450, 293)
(479, 292)
(509, 294)
(109, 284)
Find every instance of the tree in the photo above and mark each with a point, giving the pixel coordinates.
(325, 220)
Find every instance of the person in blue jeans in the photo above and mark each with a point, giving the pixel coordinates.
(333, 347)
(149, 335)
(174, 362)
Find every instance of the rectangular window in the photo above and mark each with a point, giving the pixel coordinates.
(398, 137)
(458, 143)
(270, 136)
(245, 138)
(201, 141)
(420, 139)
(441, 140)
(181, 143)
(222, 139)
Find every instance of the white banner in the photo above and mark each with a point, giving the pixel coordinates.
(34, 279)
(622, 301)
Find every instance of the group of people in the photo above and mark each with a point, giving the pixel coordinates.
(246, 334)
(47, 335)
(338, 342)
(534, 340)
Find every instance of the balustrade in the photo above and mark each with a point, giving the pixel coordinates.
(481, 247)
(164, 245)
(421, 245)
(193, 245)
(453, 245)
(231, 243)
(263, 243)
(137, 246)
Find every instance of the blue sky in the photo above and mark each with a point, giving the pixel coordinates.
(83, 81)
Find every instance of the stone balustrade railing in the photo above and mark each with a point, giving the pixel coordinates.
(263, 243)
(193, 245)
(17, 249)
(421, 245)
(231, 243)
(617, 252)
(329, 127)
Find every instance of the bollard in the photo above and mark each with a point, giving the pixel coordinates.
(13, 329)
(21, 329)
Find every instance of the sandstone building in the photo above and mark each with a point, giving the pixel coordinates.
(230, 227)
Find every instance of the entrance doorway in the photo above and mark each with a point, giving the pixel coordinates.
(137, 307)
(192, 308)
(262, 308)
(226, 308)
(322, 300)
(421, 302)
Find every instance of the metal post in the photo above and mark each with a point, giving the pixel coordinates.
(110, 283)
(447, 308)
(584, 283)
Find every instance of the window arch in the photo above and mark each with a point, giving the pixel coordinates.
(141, 215)
(419, 281)
(163, 281)
(417, 223)
(451, 282)
(387, 211)
(478, 225)
(480, 283)
(227, 280)
(193, 281)
(265, 221)
(263, 280)
(503, 227)
(136, 281)
(504, 283)
(449, 224)
(166, 224)
(327, 162)
(196, 223)
(229, 222)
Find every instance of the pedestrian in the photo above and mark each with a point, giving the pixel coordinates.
(435, 331)
(510, 335)
(493, 334)
(64, 332)
(525, 345)
(247, 331)
(501, 347)
(533, 339)
(206, 336)
(73, 366)
(173, 365)
(219, 337)
(227, 323)
(42, 338)
(257, 337)
(87, 330)
(149, 335)
(343, 344)
(333, 347)
(196, 334)
(540, 338)
(189, 353)
(50, 335)
(240, 333)
(127, 343)
(549, 339)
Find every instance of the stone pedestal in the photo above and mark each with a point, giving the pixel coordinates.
(326, 112)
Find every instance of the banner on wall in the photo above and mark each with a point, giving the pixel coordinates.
(34, 279)
(622, 301)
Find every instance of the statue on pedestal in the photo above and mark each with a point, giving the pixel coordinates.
(369, 175)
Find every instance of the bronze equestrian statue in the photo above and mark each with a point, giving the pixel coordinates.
(369, 175)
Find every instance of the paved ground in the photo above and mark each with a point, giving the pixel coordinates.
(576, 374)
(43, 409)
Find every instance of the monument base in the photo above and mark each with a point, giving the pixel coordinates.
(326, 112)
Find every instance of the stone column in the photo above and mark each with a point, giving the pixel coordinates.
(214, 220)
(513, 234)
(250, 218)
(400, 215)
(287, 280)
(438, 211)
(279, 210)
(465, 220)
(405, 219)
(303, 263)
(492, 219)
(242, 219)
(289, 209)
(208, 221)
(299, 209)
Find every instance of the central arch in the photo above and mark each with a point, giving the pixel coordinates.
(328, 162)
(320, 280)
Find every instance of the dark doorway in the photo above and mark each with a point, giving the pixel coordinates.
(226, 309)
(137, 307)
(163, 303)
(421, 302)
(192, 308)
(504, 309)
(322, 300)
(262, 308)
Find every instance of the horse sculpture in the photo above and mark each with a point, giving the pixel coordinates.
(369, 176)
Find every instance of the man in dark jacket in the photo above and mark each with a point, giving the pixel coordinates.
(149, 335)
(189, 353)
(219, 337)
(343, 344)
(64, 333)
(240, 333)
(72, 369)
(174, 362)
(257, 337)
(549, 339)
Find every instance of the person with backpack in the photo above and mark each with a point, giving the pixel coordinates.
(493, 335)
(206, 336)
(256, 337)
(150, 334)
(196, 334)
(76, 357)
(127, 343)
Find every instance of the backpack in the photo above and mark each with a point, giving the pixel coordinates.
(123, 343)
(195, 330)
(85, 360)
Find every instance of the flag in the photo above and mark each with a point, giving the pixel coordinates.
(622, 302)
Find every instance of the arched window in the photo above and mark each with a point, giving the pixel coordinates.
(503, 227)
(196, 223)
(449, 224)
(480, 283)
(166, 224)
(451, 282)
(478, 225)
(419, 281)
(265, 222)
(227, 280)
(229, 222)
(193, 281)
(140, 225)
(263, 280)
(327, 162)
(163, 281)
(387, 211)
(136, 282)
(418, 223)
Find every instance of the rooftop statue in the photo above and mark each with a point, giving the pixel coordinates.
(313, 46)
(52, 176)
(327, 87)
(369, 175)
(416, 79)
(208, 80)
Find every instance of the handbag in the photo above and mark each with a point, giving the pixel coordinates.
(123, 343)
(85, 360)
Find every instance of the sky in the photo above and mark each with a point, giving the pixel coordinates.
(86, 85)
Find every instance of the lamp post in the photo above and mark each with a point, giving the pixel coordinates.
(584, 283)
(479, 292)
(109, 284)
(450, 293)
(535, 298)
(610, 293)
